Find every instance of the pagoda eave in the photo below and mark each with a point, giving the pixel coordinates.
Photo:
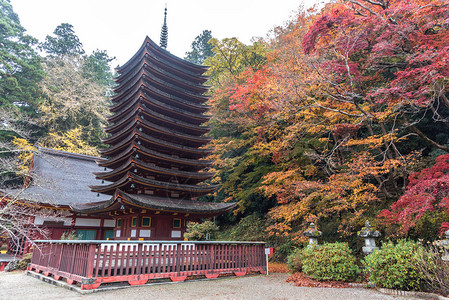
(133, 163)
(150, 48)
(130, 178)
(141, 95)
(141, 112)
(162, 131)
(139, 135)
(134, 149)
(147, 68)
(154, 203)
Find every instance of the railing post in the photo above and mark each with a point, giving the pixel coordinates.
(72, 261)
(90, 260)
(139, 259)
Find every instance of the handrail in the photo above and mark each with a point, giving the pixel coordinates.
(91, 263)
(142, 242)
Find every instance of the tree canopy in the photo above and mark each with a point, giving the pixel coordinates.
(334, 113)
(201, 48)
(20, 68)
(64, 42)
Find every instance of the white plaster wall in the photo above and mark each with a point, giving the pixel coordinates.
(176, 233)
(109, 223)
(145, 233)
(87, 222)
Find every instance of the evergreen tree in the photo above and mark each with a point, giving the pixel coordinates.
(65, 42)
(96, 66)
(20, 68)
(201, 48)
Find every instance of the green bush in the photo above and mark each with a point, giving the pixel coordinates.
(395, 266)
(198, 231)
(250, 228)
(331, 261)
(23, 263)
(294, 261)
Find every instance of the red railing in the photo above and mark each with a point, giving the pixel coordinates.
(91, 263)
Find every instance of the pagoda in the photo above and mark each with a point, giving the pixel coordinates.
(154, 167)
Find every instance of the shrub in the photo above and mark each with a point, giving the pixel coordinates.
(294, 261)
(331, 261)
(395, 266)
(23, 263)
(69, 235)
(198, 231)
(250, 228)
(435, 270)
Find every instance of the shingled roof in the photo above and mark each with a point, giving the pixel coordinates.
(62, 178)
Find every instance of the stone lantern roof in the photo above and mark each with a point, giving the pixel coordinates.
(367, 232)
(312, 232)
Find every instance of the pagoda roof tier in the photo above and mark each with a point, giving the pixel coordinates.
(174, 103)
(162, 144)
(130, 178)
(166, 89)
(149, 48)
(154, 203)
(147, 67)
(144, 112)
(133, 162)
(148, 101)
(134, 148)
(162, 132)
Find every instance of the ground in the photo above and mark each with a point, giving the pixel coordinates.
(16, 285)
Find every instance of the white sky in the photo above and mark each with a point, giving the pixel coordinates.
(120, 26)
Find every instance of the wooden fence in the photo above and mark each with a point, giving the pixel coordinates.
(91, 263)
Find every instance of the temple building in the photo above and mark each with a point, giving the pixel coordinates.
(154, 163)
(153, 168)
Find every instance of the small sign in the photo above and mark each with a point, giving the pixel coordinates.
(269, 251)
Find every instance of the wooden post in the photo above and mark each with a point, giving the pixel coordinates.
(91, 260)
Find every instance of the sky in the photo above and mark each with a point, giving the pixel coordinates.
(119, 27)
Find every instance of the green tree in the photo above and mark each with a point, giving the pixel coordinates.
(65, 42)
(201, 48)
(230, 59)
(20, 68)
(96, 66)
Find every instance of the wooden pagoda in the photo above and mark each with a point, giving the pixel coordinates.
(154, 166)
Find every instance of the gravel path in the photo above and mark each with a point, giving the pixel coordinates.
(17, 285)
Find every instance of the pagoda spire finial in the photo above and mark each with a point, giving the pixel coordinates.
(164, 31)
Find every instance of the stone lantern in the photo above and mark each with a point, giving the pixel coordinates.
(445, 244)
(369, 235)
(313, 234)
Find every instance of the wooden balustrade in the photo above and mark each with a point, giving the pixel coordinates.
(91, 263)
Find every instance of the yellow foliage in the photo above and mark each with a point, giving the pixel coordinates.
(26, 151)
(70, 141)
